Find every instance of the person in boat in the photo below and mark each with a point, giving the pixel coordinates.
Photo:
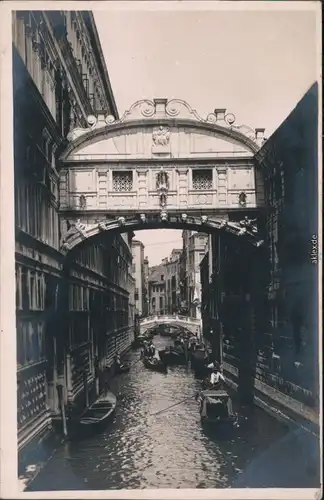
(151, 349)
(216, 377)
(147, 350)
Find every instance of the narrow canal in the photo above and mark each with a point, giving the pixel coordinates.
(170, 449)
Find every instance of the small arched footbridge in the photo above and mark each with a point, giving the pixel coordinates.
(183, 322)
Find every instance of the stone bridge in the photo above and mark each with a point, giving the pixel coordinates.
(184, 322)
(160, 165)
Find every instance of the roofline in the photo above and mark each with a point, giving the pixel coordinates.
(88, 15)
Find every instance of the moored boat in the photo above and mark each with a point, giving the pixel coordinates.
(155, 365)
(98, 415)
(177, 353)
(215, 407)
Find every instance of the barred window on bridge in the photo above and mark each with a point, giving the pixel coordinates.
(202, 180)
(123, 181)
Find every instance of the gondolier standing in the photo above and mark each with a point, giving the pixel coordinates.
(151, 349)
(216, 376)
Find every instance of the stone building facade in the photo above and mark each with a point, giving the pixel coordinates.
(194, 249)
(138, 272)
(289, 162)
(157, 289)
(172, 289)
(270, 346)
(70, 309)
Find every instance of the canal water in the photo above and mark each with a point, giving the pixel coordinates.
(141, 448)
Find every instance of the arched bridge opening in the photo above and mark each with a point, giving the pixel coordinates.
(78, 232)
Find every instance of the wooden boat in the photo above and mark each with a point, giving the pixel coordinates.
(155, 365)
(176, 354)
(98, 414)
(215, 407)
(164, 354)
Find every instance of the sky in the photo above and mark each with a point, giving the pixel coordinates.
(255, 63)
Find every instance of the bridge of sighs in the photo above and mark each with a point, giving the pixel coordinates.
(163, 165)
(159, 163)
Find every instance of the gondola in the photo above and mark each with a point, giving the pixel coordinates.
(97, 415)
(163, 354)
(215, 407)
(176, 358)
(155, 365)
(177, 354)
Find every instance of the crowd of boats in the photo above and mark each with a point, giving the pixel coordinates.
(214, 402)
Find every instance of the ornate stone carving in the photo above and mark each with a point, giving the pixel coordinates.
(121, 221)
(82, 202)
(162, 186)
(242, 199)
(164, 216)
(78, 231)
(75, 227)
(202, 199)
(161, 136)
(249, 224)
(92, 120)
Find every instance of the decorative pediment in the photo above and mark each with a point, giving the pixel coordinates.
(164, 113)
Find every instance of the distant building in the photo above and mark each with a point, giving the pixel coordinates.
(172, 289)
(145, 294)
(139, 275)
(157, 289)
(194, 249)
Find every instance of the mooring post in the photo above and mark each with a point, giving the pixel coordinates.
(186, 350)
(86, 388)
(59, 388)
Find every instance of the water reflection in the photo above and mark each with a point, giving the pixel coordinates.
(145, 449)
